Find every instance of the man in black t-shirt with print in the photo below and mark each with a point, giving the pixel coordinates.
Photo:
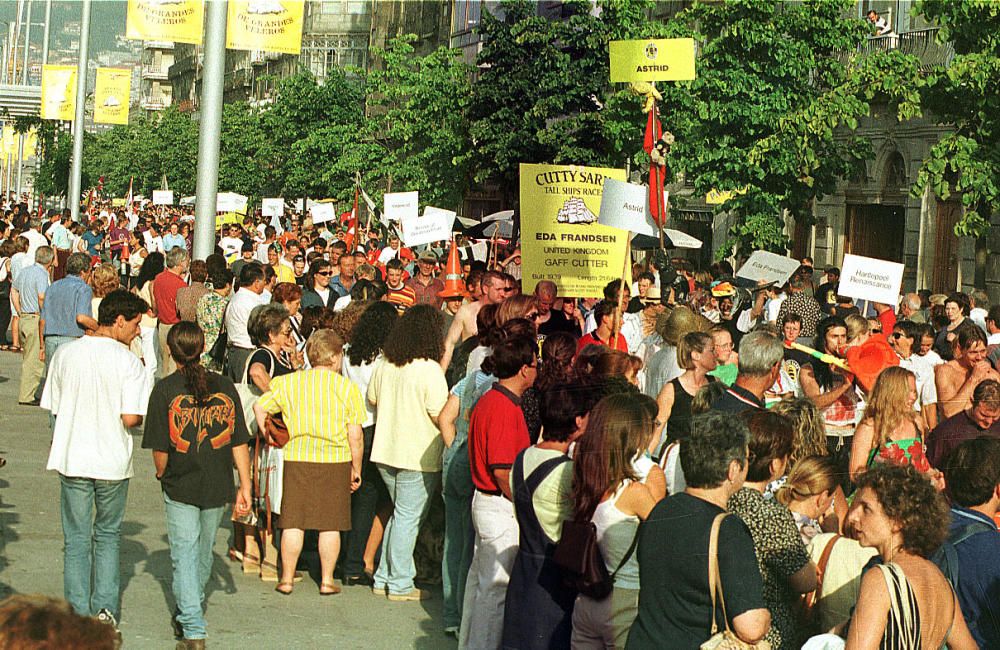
(675, 606)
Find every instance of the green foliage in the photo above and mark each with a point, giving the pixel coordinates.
(964, 95)
(773, 84)
(543, 94)
(417, 134)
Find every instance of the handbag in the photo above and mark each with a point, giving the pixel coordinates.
(579, 557)
(219, 348)
(724, 640)
(275, 430)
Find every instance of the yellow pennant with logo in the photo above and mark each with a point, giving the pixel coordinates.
(665, 59)
(58, 92)
(111, 95)
(268, 25)
(165, 20)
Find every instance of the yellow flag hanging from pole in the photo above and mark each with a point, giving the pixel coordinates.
(269, 25)
(111, 95)
(58, 92)
(180, 21)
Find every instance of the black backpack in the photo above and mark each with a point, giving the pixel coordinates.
(946, 557)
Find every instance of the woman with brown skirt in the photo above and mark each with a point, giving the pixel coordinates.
(324, 412)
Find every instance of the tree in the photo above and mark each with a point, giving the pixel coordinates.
(243, 152)
(774, 81)
(417, 132)
(963, 94)
(544, 94)
(175, 136)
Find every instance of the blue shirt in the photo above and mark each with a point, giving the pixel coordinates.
(31, 282)
(340, 289)
(173, 241)
(93, 241)
(60, 236)
(979, 578)
(64, 301)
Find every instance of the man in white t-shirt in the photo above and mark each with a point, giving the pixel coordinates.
(96, 390)
(35, 237)
(231, 244)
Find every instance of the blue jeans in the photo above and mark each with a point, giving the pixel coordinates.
(410, 491)
(459, 536)
(191, 532)
(91, 571)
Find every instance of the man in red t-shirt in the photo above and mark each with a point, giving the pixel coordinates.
(165, 287)
(497, 434)
(604, 316)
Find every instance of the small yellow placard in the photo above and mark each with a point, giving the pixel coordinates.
(718, 197)
(666, 59)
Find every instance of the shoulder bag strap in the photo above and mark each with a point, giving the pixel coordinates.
(713, 569)
(629, 552)
(824, 559)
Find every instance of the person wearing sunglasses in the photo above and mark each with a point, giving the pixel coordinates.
(319, 293)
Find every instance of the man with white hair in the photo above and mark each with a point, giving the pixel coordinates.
(34, 236)
(165, 288)
(909, 309)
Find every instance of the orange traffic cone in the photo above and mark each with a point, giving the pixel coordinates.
(454, 283)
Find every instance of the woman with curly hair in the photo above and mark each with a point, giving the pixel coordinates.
(363, 351)
(103, 280)
(890, 431)
(906, 602)
(408, 390)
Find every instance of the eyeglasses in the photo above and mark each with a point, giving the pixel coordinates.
(532, 315)
(898, 335)
(323, 273)
(507, 289)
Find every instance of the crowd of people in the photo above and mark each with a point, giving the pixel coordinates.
(682, 459)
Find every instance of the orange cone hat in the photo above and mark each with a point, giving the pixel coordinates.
(454, 283)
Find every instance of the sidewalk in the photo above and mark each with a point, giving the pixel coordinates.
(242, 610)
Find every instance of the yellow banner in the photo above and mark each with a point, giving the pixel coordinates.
(111, 95)
(179, 21)
(718, 197)
(58, 92)
(8, 141)
(666, 59)
(269, 25)
(223, 218)
(560, 237)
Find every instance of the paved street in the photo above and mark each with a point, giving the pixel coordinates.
(242, 610)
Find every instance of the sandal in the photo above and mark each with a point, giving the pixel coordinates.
(280, 588)
(330, 589)
(15, 348)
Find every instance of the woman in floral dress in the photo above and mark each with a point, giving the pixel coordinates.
(211, 310)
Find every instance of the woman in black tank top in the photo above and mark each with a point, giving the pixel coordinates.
(696, 354)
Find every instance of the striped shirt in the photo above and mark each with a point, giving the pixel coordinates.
(317, 406)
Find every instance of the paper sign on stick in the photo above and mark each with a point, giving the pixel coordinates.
(625, 206)
(399, 205)
(435, 225)
(163, 197)
(768, 267)
(665, 59)
(272, 207)
(872, 279)
(323, 212)
(561, 239)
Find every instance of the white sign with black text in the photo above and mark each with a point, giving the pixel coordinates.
(435, 225)
(769, 267)
(272, 207)
(163, 197)
(867, 278)
(399, 206)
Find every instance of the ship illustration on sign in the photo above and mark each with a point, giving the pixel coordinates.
(574, 210)
(263, 7)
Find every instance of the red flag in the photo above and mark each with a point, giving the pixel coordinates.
(352, 225)
(657, 173)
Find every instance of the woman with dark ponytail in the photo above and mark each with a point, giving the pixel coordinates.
(196, 430)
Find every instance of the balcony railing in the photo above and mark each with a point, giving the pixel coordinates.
(154, 72)
(153, 103)
(921, 43)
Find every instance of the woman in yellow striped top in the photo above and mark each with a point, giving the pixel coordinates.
(324, 412)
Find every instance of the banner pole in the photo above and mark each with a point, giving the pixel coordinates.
(621, 294)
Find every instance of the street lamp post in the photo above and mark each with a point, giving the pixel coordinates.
(81, 100)
(210, 128)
